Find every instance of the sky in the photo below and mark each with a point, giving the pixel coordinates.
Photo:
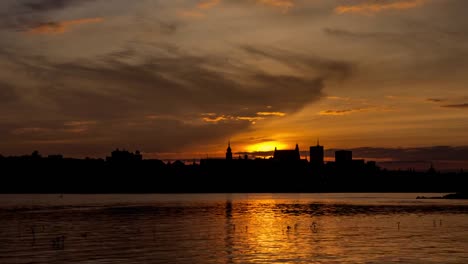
(181, 78)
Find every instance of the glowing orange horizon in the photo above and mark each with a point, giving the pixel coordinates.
(265, 146)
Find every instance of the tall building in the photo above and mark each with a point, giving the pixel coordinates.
(343, 156)
(229, 152)
(316, 155)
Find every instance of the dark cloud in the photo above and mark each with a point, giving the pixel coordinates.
(23, 15)
(47, 5)
(176, 86)
(337, 32)
(158, 105)
(166, 135)
(99, 138)
(168, 27)
(435, 100)
(416, 40)
(426, 52)
(456, 106)
(7, 93)
(329, 68)
(412, 35)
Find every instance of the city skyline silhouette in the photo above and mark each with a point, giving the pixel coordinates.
(445, 158)
(126, 171)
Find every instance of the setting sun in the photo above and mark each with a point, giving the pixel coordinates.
(266, 146)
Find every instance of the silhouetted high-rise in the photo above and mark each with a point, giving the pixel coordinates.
(316, 155)
(229, 152)
(343, 156)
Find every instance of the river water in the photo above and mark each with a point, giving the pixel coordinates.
(232, 228)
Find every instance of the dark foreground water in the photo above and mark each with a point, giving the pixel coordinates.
(232, 228)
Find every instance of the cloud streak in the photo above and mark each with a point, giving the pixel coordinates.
(461, 106)
(47, 5)
(62, 27)
(285, 5)
(208, 4)
(198, 11)
(376, 7)
(280, 114)
(341, 112)
(435, 100)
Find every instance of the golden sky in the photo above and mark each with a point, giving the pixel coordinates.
(182, 77)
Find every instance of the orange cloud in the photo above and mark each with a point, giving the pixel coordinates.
(271, 114)
(61, 26)
(208, 4)
(214, 119)
(369, 8)
(339, 112)
(249, 118)
(284, 4)
(79, 123)
(195, 12)
(78, 126)
(348, 111)
(338, 98)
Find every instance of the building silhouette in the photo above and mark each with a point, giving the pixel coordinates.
(316, 155)
(229, 152)
(124, 156)
(287, 155)
(128, 172)
(343, 157)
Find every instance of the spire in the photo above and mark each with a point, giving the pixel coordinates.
(318, 142)
(298, 154)
(228, 151)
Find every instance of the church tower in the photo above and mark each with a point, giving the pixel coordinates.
(229, 152)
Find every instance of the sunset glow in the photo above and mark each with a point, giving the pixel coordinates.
(266, 146)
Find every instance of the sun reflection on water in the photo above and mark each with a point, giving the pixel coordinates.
(237, 228)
